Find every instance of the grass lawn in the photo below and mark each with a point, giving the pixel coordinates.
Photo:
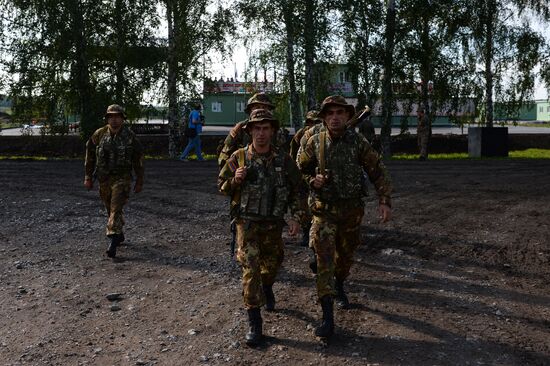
(547, 125)
(518, 154)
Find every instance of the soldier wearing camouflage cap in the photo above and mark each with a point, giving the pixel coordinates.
(311, 120)
(112, 153)
(262, 183)
(237, 138)
(333, 163)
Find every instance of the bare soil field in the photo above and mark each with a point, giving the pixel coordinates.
(461, 276)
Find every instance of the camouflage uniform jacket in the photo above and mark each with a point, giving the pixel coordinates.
(346, 160)
(295, 142)
(269, 188)
(305, 137)
(238, 138)
(114, 155)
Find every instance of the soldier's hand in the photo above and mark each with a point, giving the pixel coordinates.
(240, 175)
(89, 184)
(138, 187)
(293, 227)
(385, 213)
(319, 181)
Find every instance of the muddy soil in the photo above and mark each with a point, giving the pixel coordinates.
(461, 276)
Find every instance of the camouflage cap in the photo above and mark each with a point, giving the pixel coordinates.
(261, 115)
(313, 117)
(115, 109)
(337, 100)
(259, 98)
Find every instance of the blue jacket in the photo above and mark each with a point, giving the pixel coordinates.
(195, 114)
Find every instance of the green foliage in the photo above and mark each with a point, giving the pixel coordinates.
(75, 58)
(509, 49)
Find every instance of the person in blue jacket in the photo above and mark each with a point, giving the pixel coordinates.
(193, 132)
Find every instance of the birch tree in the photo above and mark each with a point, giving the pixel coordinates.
(509, 48)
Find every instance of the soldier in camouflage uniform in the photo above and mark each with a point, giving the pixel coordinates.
(112, 153)
(423, 134)
(359, 120)
(237, 138)
(333, 163)
(262, 183)
(311, 120)
(365, 126)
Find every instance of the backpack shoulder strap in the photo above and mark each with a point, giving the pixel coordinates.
(241, 157)
(322, 141)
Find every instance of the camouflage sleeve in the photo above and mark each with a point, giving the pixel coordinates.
(297, 202)
(302, 144)
(137, 161)
(307, 161)
(90, 160)
(232, 142)
(226, 184)
(295, 143)
(377, 172)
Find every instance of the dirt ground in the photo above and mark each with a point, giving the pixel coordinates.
(461, 276)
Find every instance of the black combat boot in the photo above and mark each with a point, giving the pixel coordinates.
(254, 336)
(121, 238)
(342, 301)
(313, 261)
(326, 329)
(269, 297)
(115, 241)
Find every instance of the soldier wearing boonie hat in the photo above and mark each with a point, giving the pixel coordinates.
(112, 153)
(236, 137)
(334, 162)
(311, 120)
(262, 183)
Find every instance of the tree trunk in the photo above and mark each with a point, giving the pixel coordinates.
(119, 65)
(88, 119)
(295, 112)
(387, 93)
(366, 95)
(489, 18)
(425, 75)
(309, 50)
(174, 130)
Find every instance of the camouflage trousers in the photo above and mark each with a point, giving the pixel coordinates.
(260, 253)
(335, 239)
(114, 192)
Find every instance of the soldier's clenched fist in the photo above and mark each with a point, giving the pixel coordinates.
(240, 175)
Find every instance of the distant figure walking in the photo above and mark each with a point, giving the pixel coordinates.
(193, 132)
